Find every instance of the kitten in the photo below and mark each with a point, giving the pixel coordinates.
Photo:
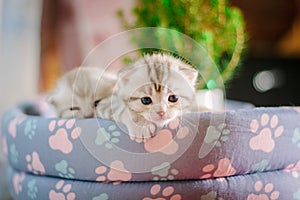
(150, 93)
(78, 92)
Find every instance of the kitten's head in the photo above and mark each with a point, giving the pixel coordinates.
(158, 87)
(78, 91)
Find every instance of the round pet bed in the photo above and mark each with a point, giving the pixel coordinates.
(247, 153)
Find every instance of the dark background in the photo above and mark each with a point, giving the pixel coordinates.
(288, 94)
(273, 29)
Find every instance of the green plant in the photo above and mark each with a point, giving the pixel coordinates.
(219, 28)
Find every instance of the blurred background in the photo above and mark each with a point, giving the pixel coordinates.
(270, 68)
(40, 40)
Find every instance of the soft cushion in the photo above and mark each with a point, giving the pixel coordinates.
(237, 154)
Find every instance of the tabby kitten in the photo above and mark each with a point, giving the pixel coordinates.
(78, 92)
(150, 93)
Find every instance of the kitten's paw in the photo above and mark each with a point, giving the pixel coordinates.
(152, 129)
(139, 137)
(140, 134)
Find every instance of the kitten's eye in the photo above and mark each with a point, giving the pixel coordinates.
(146, 100)
(173, 98)
(96, 103)
(74, 108)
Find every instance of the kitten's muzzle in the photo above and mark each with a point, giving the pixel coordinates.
(88, 113)
(161, 113)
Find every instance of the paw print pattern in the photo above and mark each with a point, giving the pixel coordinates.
(159, 194)
(62, 191)
(102, 196)
(294, 169)
(61, 140)
(208, 171)
(12, 127)
(17, 182)
(296, 137)
(174, 123)
(14, 154)
(215, 135)
(212, 195)
(34, 164)
(102, 172)
(117, 172)
(32, 189)
(296, 195)
(267, 130)
(163, 172)
(266, 192)
(30, 128)
(164, 142)
(64, 170)
(261, 166)
(182, 132)
(108, 137)
(224, 168)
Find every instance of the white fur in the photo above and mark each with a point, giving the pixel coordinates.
(156, 76)
(77, 91)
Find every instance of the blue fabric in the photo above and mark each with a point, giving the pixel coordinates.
(246, 153)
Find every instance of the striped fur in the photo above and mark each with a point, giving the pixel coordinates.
(77, 91)
(159, 77)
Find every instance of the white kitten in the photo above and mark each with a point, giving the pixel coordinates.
(77, 92)
(150, 93)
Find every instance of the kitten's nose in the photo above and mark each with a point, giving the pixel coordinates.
(161, 113)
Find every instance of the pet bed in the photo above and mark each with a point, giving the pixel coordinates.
(249, 153)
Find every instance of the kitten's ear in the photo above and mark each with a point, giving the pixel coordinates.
(124, 75)
(51, 99)
(109, 78)
(190, 73)
(53, 96)
(124, 80)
